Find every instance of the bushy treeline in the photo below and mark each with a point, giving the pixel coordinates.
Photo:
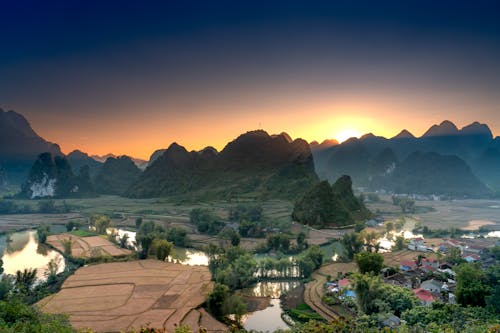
(8, 206)
(155, 239)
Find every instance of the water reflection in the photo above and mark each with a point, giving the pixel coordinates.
(24, 252)
(272, 289)
(265, 320)
(388, 240)
(189, 257)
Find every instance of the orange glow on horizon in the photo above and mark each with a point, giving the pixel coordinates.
(216, 122)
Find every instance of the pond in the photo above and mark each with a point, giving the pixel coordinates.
(21, 250)
(268, 319)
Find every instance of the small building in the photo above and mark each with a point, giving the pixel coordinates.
(425, 297)
(474, 249)
(432, 285)
(344, 283)
(391, 321)
(430, 262)
(408, 265)
(471, 257)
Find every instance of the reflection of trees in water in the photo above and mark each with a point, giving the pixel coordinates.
(273, 289)
(19, 240)
(42, 249)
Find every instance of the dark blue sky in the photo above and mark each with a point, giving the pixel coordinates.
(80, 70)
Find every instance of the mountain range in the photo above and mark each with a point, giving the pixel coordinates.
(255, 163)
(444, 161)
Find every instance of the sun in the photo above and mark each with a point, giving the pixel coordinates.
(346, 134)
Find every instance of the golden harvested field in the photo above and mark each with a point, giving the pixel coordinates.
(85, 247)
(116, 297)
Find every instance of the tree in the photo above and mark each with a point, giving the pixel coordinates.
(353, 244)
(72, 225)
(161, 248)
(67, 244)
(234, 305)
(138, 222)
(42, 232)
(145, 241)
(25, 279)
(123, 240)
(399, 244)
(100, 222)
(52, 268)
(472, 288)
(216, 300)
(368, 294)
(369, 262)
(301, 240)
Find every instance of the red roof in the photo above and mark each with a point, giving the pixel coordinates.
(343, 283)
(423, 295)
(418, 239)
(408, 263)
(429, 268)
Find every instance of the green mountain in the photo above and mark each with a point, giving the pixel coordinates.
(116, 175)
(254, 164)
(432, 173)
(53, 177)
(330, 206)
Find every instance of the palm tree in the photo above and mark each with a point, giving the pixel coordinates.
(25, 279)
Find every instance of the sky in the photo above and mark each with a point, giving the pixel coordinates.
(130, 77)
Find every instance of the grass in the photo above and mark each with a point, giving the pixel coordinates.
(82, 233)
(303, 313)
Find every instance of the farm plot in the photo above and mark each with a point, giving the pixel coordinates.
(117, 297)
(85, 247)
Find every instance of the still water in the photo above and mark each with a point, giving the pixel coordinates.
(268, 319)
(23, 251)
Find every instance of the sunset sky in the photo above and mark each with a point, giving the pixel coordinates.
(129, 78)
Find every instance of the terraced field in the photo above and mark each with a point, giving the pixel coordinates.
(85, 247)
(117, 297)
(314, 290)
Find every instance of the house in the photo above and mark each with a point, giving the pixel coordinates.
(425, 297)
(445, 265)
(371, 223)
(391, 321)
(343, 283)
(447, 271)
(408, 265)
(428, 269)
(429, 262)
(474, 249)
(432, 285)
(417, 244)
(402, 280)
(471, 257)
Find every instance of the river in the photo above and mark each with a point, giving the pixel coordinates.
(21, 250)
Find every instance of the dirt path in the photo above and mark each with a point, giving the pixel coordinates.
(313, 295)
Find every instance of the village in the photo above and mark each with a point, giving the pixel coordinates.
(426, 268)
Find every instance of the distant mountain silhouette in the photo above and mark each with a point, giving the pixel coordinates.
(140, 163)
(446, 128)
(79, 159)
(361, 158)
(19, 146)
(404, 134)
(255, 163)
(116, 175)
